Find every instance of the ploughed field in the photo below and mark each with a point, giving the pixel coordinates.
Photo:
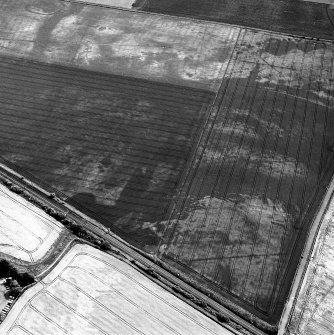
(207, 145)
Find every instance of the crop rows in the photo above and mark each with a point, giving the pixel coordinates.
(241, 213)
(131, 138)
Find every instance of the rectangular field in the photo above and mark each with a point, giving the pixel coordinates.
(90, 292)
(26, 232)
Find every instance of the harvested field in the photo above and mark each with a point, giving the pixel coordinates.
(217, 172)
(26, 232)
(293, 17)
(90, 292)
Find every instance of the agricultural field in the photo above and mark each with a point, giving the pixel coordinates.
(166, 49)
(302, 18)
(26, 232)
(115, 147)
(206, 145)
(312, 312)
(119, 144)
(112, 3)
(243, 209)
(90, 292)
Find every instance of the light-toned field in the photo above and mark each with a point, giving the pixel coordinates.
(329, 2)
(90, 292)
(112, 3)
(314, 310)
(135, 44)
(26, 232)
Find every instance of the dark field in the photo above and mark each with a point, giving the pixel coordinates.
(243, 209)
(292, 17)
(113, 145)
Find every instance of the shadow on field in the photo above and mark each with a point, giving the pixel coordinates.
(133, 228)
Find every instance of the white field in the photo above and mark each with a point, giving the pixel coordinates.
(313, 311)
(26, 231)
(114, 3)
(328, 2)
(91, 292)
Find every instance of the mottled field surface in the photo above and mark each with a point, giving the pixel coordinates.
(90, 292)
(115, 145)
(255, 183)
(138, 45)
(26, 232)
(287, 16)
(207, 145)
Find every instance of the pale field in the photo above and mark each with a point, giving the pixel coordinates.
(328, 2)
(26, 232)
(113, 3)
(314, 310)
(135, 44)
(90, 292)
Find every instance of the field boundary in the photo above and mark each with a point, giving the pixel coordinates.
(203, 137)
